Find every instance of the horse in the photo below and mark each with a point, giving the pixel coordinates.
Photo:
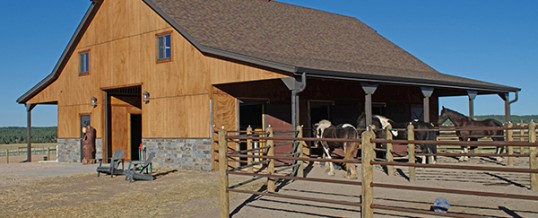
(461, 121)
(381, 123)
(325, 129)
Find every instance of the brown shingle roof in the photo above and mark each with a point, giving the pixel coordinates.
(302, 38)
(289, 38)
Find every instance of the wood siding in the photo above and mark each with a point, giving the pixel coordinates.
(122, 43)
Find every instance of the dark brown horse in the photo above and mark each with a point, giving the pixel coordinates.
(325, 129)
(461, 121)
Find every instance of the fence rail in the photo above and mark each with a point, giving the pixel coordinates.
(22, 151)
(266, 157)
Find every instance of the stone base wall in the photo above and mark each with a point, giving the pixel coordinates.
(190, 154)
(68, 150)
(98, 148)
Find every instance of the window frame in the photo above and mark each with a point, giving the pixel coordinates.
(158, 45)
(85, 61)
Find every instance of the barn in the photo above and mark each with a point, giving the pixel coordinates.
(167, 73)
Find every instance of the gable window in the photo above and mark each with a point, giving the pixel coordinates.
(164, 47)
(84, 60)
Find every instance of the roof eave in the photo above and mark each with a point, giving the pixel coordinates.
(90, 14)
(405, 81)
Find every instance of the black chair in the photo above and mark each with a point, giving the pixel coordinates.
(113, 167)
(136, 169)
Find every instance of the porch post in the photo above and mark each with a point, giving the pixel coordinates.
(427, 93)
(296, 85)
(106, 142)
(29, 108)
(472, 95)
(369, 89)
(506, 98)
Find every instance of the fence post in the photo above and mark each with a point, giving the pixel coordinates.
(510, 138)
(223, 169)
(7, 155)
(249, 148)
(411, 152)
(48, 153)
(271, 167)
(300, 145)
(532, 156)
(367, 154)
(521, 138)
(388, 154)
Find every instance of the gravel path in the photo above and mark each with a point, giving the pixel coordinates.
(74, 190)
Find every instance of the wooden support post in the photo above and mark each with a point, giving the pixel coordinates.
(510, 138)
(223, 169)
(249, 147)
(300, 146)
(388, 155)
(367, 153)
(533, 164)
(48, 153)
(7, 155)
(271, 187)
(411, 152)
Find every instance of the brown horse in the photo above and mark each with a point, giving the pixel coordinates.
(461, 121)
(325, 129)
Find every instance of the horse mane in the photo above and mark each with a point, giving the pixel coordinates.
(457, 113)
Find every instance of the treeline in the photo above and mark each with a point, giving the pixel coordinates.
(514, 118)
(14, 135)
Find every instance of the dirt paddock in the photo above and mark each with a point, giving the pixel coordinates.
(74, 190)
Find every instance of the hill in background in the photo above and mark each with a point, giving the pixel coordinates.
(14, 135)
(514, 118)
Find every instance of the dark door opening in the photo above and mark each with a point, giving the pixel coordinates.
(136, 136)
(250, 114)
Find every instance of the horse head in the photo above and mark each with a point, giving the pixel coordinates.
(443, 116)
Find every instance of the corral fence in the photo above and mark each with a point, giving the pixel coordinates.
(46, 151)
(260, 163)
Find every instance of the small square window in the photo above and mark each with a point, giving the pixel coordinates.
(164, 48)
(84, 62)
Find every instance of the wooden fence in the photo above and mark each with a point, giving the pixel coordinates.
(264, 158)
(21, 151)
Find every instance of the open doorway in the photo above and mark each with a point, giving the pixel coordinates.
(124, 121)
(136, 136)
(319, 110)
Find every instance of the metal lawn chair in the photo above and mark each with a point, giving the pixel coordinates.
(113, 167)
(136, 169)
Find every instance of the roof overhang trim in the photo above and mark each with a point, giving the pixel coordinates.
(363, 77)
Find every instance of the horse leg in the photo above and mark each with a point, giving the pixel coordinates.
(433, 150)
(349, 148)
(499, 150)
(423, 150)
(463, 150)
(328, 156)
(473, 148)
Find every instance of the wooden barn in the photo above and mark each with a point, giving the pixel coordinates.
(166, 73)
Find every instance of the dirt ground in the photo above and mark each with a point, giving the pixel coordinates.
(56, 190)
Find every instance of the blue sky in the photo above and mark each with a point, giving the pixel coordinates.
(490, 40)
